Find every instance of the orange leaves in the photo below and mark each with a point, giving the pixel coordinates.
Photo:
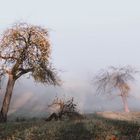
(29, 48)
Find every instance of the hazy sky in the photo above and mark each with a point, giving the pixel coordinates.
(86, 35)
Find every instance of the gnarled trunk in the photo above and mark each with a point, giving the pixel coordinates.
(7, 98)
(124, 99)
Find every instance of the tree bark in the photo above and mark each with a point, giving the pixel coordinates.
(124, 99)
(7, 98)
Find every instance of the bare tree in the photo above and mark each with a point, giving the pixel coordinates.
(25, 48)
(67, 108)
(116, 79)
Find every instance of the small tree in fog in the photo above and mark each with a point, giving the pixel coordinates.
(116, 79)
(24, 49)
(67, 108)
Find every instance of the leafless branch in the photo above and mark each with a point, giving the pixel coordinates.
(114, 78)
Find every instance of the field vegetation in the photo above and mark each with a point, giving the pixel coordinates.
(92, 127)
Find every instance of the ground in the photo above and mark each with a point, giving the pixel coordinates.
(98, 126)
(132, 116)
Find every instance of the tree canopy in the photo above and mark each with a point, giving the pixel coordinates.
(26, 48)
(114, 78)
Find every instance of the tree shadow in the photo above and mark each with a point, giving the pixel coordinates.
(74, 131)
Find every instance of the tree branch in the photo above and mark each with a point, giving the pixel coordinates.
(7, 57)
(23, 71)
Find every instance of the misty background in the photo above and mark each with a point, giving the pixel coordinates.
(86, 36)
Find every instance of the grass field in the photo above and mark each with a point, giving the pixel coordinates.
(94, 127)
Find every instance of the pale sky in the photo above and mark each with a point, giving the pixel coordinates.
(86, 35)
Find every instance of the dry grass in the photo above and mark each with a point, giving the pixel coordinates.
(132, 116)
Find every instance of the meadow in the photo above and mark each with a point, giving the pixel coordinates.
(93, 127)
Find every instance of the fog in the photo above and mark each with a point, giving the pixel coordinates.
(86, 36)
(31, 99)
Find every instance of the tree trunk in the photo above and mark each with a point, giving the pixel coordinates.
(52, 116)
(7, 99)
(124, 99)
